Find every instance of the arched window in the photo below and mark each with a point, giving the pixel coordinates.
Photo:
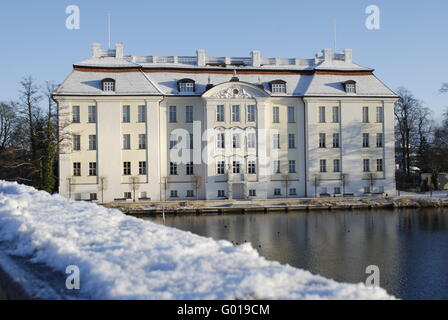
(278, 86)
(186, 85)
(350, 86)
(108, 84)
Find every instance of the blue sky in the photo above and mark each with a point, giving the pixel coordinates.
(410, 49)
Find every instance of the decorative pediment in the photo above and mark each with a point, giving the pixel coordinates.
(235, 90)
(233, 93)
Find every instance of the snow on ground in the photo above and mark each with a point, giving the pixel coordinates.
(122, 257)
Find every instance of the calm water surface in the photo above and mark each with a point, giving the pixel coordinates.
(409, 246)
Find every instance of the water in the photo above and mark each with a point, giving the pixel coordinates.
(409, 246)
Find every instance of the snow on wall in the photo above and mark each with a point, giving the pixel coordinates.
(122, 257)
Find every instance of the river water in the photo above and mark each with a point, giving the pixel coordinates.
(410, 246)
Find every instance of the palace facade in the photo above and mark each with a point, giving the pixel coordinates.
(198, 127)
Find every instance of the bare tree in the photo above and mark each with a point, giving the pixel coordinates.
(344, 181)
(102, 187)
(135, 185)
(8, 120)
(371, 177)
(316, 183)
(196, 183)
(286, 178)
(412, 127)
(164, 181)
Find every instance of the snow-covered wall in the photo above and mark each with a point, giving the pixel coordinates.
(122, 257)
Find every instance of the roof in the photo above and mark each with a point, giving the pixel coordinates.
(156, 75)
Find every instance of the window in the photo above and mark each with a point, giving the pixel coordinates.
(189, 114)
(143, 195)
(91, 114)
(108, 84)
(292, 191)
(275, 114)
(220, 167)
(77, 169)
(336, 139)
(251, 167)
(126, 141)
(336, 165)
(189, 169)
(379, 165)
(276, 167)
(186, 85)
(323, 166)
(142, 141)
(93, 197)
(379, 114)
(142, 167)
(252, 193)
(291, 115)
(76, 118)
(76, 142)
(337, 190)
(335, 114)
(292, 166)
(190, 193)
(221, 194)
(276, 141)
(190, 141)
(236, 167)
(220, 113)
(173, 141)
(236, 113)
(251, 140)
(126, 113)
(92, 142)
(141, 113)
(379, 140)
(220, 141)
(127, 168)
(128, 195)
(92, 168)
(251, 113)
(173, 194)
(291, 141)
(236, 142)
(277, 192)
(365, 140)
(350, 86)
(365, 114)
(322, 140)
(172, 114)
(278, 86)
(322, 114)
(366, 165)
(173, 169)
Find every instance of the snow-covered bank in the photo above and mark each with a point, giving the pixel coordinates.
(122, 257)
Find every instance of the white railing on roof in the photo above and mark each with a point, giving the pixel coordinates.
(339, 56)
(187, 60)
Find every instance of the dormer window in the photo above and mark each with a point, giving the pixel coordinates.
(186, 85)
(108, 84)
(278, 86)
(350, 86)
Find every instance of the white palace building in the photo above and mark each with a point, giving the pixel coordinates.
(162, 128)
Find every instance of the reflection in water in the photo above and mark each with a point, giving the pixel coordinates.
(409, 246)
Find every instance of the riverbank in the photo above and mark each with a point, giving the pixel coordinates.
(276, 205)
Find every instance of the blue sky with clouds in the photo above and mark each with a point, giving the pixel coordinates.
(410, 49)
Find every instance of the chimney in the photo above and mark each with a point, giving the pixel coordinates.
(348, 55)
(256, 58)
(201, 57)
(119, 51)
(328, 54)
(96, 50)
